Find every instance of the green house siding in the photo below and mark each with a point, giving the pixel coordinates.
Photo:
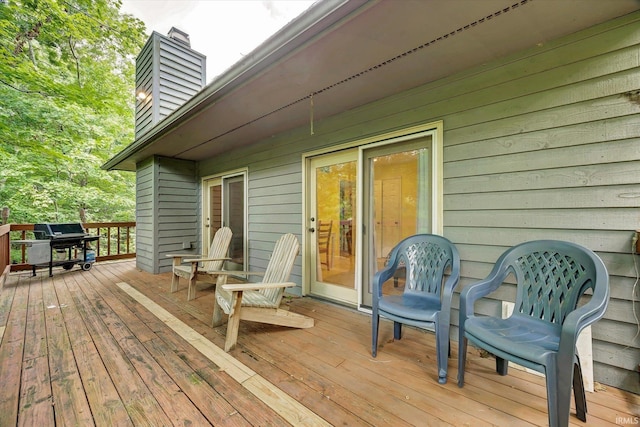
(169, 73)
(541, 145)
(145, 256)
(166, 212)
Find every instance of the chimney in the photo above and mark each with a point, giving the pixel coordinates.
(168, 74)
(179, 36)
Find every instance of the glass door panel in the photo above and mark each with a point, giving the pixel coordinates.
(234, 218)
(397, 203)
(332, 225)
(213, 220)
(225, 206)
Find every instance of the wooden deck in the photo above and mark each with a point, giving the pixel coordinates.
(111, 346)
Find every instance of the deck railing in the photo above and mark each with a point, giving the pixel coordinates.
(117, 241)
(5, 259)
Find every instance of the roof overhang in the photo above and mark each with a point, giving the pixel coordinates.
(341, 54)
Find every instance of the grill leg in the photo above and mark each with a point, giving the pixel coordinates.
(50, 261)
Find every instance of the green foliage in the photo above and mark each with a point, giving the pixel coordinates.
(67, 78)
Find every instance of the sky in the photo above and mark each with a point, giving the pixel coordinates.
(223, 30)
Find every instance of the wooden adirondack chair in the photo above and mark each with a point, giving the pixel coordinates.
(212, 262)
(260, 302)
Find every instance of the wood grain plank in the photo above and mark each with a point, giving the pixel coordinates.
(106, 406)
(213, 406)
(276, 399)
(71, 405)
(36, 397)
(6, 298)
(11, 350)
(318, 390)
(245, 403)
(408, 378)
(177, 407)
(141, 405)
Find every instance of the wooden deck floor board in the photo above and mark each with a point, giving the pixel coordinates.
(412, 386)
(132, 335)
(121, 364)
(184, 366)
(142, 407)
(244, 403)
(11, 351)
(106, 406)
(319, 392)
(36, 400)
(69, 399)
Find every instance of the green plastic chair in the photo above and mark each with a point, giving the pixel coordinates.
(426, 300)
(542, 332)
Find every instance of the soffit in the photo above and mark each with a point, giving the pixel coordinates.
(380, 49)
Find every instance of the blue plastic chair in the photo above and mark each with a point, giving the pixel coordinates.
(541, 333)
(426, 300)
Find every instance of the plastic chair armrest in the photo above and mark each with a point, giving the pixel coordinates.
(473, 292)
(579, 319)
(379, 278)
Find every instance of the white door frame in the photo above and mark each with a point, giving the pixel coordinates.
(435, 130)
(338, 293)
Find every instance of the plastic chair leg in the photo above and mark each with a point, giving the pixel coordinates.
(442, 349)
(375, 321)
(578, 391)
(559, 384)
(397, 330)
(462, 358)
(502, 366)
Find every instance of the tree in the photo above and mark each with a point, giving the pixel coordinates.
(67, 79)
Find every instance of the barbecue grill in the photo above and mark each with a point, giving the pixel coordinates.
(59, 231)
(56, 244)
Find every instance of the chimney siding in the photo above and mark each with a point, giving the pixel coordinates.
(169, 73)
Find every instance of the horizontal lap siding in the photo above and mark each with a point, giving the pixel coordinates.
(170, 74)
(275, 207)
(177, 209)
(539, 145)
(180, 74)
(144, 216)
(550, 150)
(144, 119)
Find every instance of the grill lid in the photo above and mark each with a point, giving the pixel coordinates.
(58, 231)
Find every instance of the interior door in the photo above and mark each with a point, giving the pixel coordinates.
(388, 218)
(331, 226)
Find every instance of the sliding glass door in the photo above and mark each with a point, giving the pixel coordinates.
(397, 202)
(360, 202)
(224, 203)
